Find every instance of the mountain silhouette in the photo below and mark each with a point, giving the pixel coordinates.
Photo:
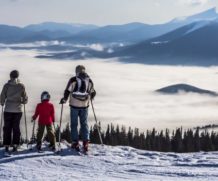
(184, 88)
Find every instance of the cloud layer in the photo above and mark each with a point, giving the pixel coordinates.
(124, 91)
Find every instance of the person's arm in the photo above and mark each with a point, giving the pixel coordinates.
(24, 98)
(67, 90)
(34, 117)
(3, 96)
(92, 90)
(52, 113)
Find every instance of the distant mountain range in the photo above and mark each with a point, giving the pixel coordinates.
(135, 32)
(184, 88)
(81, 33)
(189, 40)
(192, 44)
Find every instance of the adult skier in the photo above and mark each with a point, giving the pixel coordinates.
(80, 89)
(13, 95)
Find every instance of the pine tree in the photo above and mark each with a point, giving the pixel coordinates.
(148, 141)
(167, 142)
(66, 134)
(197, 143)
(130, 136)
(177, 145)
(108, 136)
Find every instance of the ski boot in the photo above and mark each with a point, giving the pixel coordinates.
(39, 148)
(75, 146)
(85, 146)
(52, 147)
(7, 152)
(15, 148)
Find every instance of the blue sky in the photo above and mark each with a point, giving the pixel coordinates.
(100, 12)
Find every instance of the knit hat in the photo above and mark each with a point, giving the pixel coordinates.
(14, 74)
(80, 69)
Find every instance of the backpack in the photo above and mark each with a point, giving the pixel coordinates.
(80, 91)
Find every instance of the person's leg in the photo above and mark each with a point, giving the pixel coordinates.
(40, 133)
(7, 129)
(51, 135)
(74, 124)
(83, 114)
(16, 128)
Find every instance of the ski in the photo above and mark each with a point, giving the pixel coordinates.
(78, 152)
(40, 151)
(7, 154)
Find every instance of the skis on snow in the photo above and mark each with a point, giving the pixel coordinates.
(79, 151)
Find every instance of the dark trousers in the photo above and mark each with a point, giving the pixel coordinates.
(11, 127)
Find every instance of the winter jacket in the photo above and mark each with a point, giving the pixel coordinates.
(45, 112)
(73, 102)
(13, 95)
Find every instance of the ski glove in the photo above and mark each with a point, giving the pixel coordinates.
(63, 101)
(93, 94)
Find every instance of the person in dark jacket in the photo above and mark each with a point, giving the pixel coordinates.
(80, 89)
(13, 96)
(46, 113)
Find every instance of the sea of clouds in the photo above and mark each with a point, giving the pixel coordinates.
(125, 92)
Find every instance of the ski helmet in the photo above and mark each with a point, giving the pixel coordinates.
(80, 69)
(45, 96)
(14, 74)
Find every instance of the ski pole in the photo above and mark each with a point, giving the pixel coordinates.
(54, 127)
(25, 123)
(33, 134)
(99, 134)
(59, 136)
(1, 124)
(54, 130)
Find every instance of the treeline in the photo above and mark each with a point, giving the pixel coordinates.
(164, 141)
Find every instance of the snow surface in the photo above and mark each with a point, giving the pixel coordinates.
(198, 26)
(109, 163)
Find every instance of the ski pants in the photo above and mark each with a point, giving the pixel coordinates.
(82, 114)
(50, 132)
(11, 127)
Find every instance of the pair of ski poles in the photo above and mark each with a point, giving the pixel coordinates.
(59, 134)
(1, 126)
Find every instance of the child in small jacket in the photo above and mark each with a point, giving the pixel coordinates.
(45, 112)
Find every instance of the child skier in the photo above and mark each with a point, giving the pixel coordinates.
(45, 112)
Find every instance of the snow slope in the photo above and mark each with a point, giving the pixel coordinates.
(109, 163)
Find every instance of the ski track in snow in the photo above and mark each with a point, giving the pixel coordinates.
(109, 163)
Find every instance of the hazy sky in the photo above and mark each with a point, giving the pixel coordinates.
(101, 12)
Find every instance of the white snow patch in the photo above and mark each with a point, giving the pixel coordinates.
(159, 42)
(97, 47)
(110, 50)
(198, 26)
(34, 44)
